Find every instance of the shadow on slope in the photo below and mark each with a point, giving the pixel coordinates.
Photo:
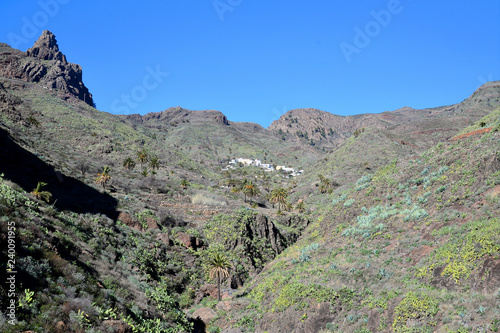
(25, 169)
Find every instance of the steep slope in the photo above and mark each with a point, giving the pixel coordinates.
(414, 247)
(407, 132)
(125, 254)
(130, 252)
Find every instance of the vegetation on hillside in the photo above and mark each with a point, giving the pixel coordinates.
(379, 234)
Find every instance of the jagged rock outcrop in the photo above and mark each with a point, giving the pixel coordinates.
(45, 63)
(176, 115)
(259, 230)
(46, 48)
(265, 229)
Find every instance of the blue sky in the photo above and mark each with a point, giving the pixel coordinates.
(256, 59)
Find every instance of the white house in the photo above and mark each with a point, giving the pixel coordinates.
(265, 166)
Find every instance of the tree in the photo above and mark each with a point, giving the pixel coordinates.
(33, 121)
(39, 194)
(279, 196)
(323, 187)
(104, 177)
(154, 162)
(184, 183)
(326, 184)
(251, 190)
(218, 266)
(142, 156)
(301, 206)
(129, 163)
(83, 166)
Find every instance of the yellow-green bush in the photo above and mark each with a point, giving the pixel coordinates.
(463, 252)
(415, 307)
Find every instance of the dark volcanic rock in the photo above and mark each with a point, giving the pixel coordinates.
(44, 63)
(177, 115)
(46, 48)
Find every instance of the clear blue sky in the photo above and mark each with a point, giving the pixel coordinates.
(255, 59)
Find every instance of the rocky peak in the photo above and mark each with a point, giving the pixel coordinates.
(45, 64)
(46, 48)
(178, 115)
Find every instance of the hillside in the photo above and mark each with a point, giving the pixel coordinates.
(418, 128)
(118, 217)
(414, 247)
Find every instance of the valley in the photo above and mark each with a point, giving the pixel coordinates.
(389, 222)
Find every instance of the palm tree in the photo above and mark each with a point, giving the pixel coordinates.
(218, 266)
(301, 206)
(103, 177)
(154, 162)
(326, 184)
(184, 183)
(39, 194)
(33, 121)
(279, 196)
(142, 156)
(251, 190)
(129, 163)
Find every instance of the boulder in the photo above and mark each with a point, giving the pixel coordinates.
(206, 290)
(210, 290)
(151, 223)
(186, 239)
(164, 238)
(129, 221)
(205, 315)
(61, 327)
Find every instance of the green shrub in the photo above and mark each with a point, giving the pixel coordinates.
(470, 244)
(348, 203)
(415, 307)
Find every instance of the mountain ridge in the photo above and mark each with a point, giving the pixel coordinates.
(391, 227)
(45, 63)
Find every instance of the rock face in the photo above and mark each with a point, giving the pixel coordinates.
(177, 115)
(205, 315)
(46, 48)
(44, 63)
